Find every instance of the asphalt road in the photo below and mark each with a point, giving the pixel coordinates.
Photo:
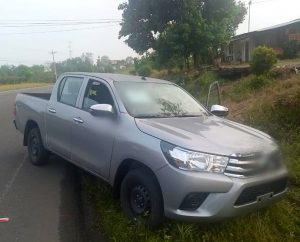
(41, 202)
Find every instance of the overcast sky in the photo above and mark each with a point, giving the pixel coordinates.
(34, 48)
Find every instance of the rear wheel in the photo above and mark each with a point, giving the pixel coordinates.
(38, 155)
(141, 198)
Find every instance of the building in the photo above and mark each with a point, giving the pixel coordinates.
(241, 46)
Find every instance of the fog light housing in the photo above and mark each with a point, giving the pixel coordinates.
(193, 201)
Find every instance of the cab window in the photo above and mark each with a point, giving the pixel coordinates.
(69, 90)
(96, 93)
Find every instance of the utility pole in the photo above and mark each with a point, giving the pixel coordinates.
(249, 21)
(70, 49)
(54, 63)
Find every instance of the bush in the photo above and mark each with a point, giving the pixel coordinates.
(258, 82)
(144, 71)
(263, 59)
(290, 49)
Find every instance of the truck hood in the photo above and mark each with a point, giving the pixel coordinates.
(208, 134)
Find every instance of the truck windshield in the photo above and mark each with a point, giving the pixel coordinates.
(158, 100)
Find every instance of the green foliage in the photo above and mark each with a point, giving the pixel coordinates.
(22, 73)
(103, 65)
(178, 29)
(84, 63)
(248, 86)
(144, 71)
(291, 49)
(258, 82)
(281, 119)
(263, 59)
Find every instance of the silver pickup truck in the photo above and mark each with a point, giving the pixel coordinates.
(163, 153)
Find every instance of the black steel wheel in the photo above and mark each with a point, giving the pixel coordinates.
(141, 198)
(38, 155)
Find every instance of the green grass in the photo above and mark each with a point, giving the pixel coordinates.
(278, 223)
(274, 109)
(8, 87)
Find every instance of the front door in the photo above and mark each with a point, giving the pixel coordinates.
(93, 136)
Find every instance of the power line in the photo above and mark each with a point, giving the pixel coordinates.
(262, 1)
(51, 24)
(81, 19)
(58, 31)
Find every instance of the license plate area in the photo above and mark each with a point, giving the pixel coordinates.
(265, 197)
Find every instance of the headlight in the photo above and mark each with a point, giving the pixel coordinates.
(193, 161)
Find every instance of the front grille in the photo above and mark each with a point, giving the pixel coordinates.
(244, 166)
(251, 194)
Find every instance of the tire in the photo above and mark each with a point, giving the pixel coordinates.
(38, 155)
(141, 198)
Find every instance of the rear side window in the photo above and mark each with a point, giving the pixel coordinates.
(69, 90)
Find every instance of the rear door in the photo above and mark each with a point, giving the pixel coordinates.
(93, 136)
(61, 110)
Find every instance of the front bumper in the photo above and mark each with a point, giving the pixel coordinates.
(224, 193)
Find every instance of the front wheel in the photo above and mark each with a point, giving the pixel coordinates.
(141, 198)
(38, 155)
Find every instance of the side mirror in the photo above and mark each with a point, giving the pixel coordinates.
(219, 110)
(101, 109)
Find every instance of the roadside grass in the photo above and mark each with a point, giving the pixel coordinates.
(275, 109)
(277, 223)
(8, 87)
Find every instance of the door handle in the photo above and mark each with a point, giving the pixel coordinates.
(51, 110)
(78, 120)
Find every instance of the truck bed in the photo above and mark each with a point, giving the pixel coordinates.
(45, 96)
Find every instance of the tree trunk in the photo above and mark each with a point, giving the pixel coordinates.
(196, 58)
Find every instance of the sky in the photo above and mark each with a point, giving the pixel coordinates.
(32, 48)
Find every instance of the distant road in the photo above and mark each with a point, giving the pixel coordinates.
(41, 202)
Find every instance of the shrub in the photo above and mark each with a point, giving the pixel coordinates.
(258, 82)
(263, 59)
(144, 70)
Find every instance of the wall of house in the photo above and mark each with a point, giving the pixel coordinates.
(274, 38)
(238, 50)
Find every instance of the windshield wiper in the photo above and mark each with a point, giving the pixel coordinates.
(187, 116)
(167, 116)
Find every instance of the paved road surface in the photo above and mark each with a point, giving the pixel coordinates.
(41, 202)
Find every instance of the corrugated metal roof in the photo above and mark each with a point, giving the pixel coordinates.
(280, 25)
(241, 36)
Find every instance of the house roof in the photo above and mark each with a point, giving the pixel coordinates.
(245, 35)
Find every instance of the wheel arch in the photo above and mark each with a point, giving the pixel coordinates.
(125, 166)
(29, 125)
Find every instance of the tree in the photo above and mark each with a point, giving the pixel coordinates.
(177, 28)
(23, 72)
(104, 65)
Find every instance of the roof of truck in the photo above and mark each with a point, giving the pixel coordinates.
(117, 77)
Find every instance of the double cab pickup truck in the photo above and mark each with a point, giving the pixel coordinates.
(164, 153)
